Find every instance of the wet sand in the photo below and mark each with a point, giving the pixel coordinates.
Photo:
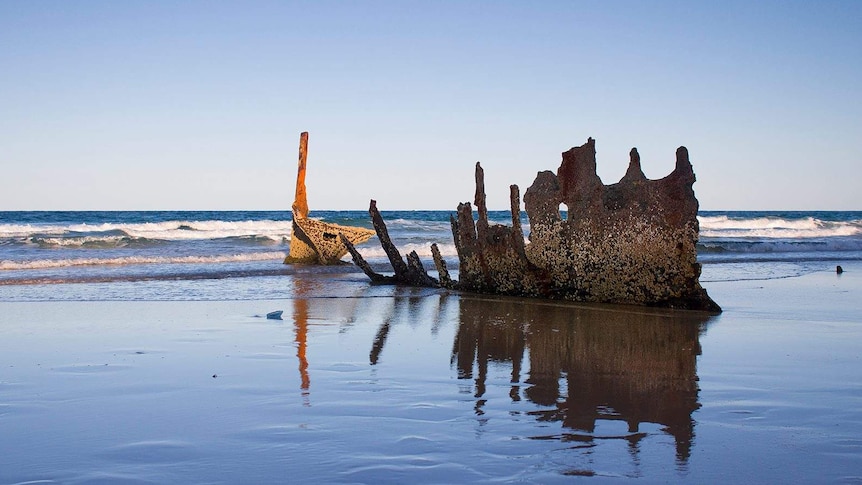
(362, 384)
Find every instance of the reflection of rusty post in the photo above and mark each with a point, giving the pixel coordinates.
(300, 201)
(301, 323)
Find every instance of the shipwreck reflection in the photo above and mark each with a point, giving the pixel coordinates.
(313, 305)
(411, 306)
(300, 322)
(588, 364)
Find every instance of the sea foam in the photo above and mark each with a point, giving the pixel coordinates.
(168, 230)
(422, 250)
(132, 260)
(776, 227)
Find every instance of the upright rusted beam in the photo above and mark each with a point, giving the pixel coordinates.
(517, 232)
(440, 263)
(391, 251)
(300, 199)
(481, 208)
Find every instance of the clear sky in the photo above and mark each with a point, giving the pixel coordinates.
(139, 105)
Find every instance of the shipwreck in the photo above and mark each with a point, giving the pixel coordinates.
(314, 241)
(633, 242)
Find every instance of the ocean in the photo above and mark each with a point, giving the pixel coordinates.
(202, 254)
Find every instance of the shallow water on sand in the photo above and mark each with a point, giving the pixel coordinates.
(370, 384)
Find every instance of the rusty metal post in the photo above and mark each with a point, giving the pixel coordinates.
(300, 200)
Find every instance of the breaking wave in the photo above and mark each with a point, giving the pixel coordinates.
(423, 250)
(135, 260)
(72, 234)
(776, 227)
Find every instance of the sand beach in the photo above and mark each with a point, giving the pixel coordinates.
(376, 384)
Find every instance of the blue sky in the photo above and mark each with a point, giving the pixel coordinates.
(199, 105)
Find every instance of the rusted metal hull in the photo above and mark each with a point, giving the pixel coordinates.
(318, 242)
